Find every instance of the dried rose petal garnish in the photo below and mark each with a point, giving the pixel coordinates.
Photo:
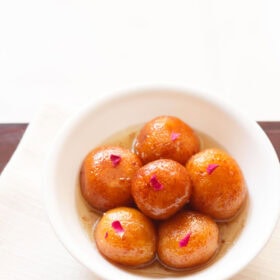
(155, 183)
(116, 225)
(184, 241)
(106, 235)
(211, 167)
(174, 136)
(115, 159)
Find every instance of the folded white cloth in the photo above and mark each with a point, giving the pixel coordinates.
(29, 248)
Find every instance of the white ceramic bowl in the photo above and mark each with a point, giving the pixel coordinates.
(243, 138)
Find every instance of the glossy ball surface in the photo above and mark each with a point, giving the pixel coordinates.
(160, 188)
(135, 245)
(166, 137)
(187, 239)
(106, 175)
(218, 185)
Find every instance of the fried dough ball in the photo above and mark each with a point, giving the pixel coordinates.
(160, 188)
(187, 239)
(218, 185)
(105, 177)
(166, 137)
(126, 236)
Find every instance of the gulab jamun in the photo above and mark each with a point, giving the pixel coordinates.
(218, 185)
(187, 239)
(105, 177)
(160, 188)
(125, 236)
(166, 137)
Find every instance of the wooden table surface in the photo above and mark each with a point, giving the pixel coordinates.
(10, 135)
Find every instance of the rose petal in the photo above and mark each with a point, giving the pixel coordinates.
(211, 167)
(184, 241)
(155, 183)
(115, 159)
(106, 235)
(116, 225)
(174, 136)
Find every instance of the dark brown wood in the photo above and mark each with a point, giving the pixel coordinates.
(10, 135)
(272, 130)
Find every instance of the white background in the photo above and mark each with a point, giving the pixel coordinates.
(70, 52)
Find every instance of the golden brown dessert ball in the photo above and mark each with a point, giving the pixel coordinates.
(160, 188)
(105, 177)
(126, 236)
(187, 239)
(166, 137)
(218, 185)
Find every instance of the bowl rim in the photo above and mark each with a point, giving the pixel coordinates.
(83, 111)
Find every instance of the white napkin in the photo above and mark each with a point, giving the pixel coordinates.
(29, 248)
